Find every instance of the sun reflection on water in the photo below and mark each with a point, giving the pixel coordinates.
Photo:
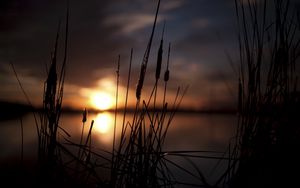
(103, 123)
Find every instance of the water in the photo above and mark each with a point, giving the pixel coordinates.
(188, 132)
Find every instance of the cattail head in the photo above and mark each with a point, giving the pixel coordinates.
(92, 124)
(159, 60)
(167, 75)
(140, 82)
(51, 87)
(84, 116)
(159, 55)
(51, 82)
(138, 92)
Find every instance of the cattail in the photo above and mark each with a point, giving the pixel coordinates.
(84, 116)
(140, 82)
(51, 83)
(159, 60)
(167, 73)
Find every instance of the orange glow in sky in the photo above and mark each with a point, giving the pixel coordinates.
(102, 96)
(101, 100)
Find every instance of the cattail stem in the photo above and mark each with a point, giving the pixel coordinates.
(87, 139)
(126, 97)
(84, 118)
(116, 111)
(27, 98)
(167, 74)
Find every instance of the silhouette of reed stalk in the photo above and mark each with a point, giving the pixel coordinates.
(52, 107)
(84, 119)
(268, 95)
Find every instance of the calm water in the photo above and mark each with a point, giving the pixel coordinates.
(210, 132)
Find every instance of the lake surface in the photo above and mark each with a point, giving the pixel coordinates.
(188, 132)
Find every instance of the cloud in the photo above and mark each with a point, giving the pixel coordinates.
(172, 5)
(130, 23)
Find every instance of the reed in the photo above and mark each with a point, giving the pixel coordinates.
(21, 120)
(84, 119)
(268, 95)
(49, 153)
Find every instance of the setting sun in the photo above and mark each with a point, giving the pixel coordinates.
(101, 101)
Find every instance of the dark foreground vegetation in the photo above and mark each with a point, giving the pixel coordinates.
(263, 153)
(268, 135)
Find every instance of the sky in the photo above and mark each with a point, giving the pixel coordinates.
(202, 34)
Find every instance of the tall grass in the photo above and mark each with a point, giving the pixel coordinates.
(267, 138)
(48, 151)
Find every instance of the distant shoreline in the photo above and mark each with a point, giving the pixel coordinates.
(11, 110)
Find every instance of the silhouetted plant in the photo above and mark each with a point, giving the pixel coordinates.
(267, 138)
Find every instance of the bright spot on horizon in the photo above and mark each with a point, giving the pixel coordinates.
(103, 123)
(101, 100)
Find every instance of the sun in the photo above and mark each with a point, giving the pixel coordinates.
(101, 100)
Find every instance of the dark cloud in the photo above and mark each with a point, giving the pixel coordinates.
(30, 28)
